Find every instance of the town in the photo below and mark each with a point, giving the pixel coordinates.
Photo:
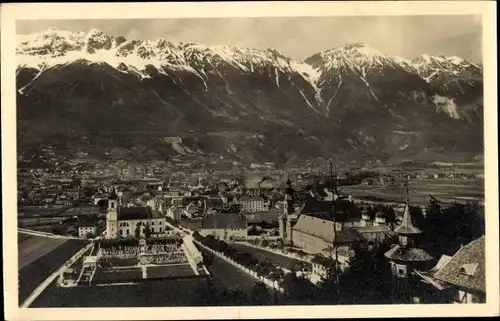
(264, 236)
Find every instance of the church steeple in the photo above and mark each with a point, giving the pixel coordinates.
(407, 227)
(289, 197)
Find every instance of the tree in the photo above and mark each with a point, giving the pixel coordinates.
(260, 294)
(327, 286)
(147, 230)
(233, 297)
(299, 290)
(137, 230)
(205, 293)
(264, 243)
(73, 231)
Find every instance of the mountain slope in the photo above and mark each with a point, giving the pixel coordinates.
(246, 104)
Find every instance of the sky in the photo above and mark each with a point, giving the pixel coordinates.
(299, 37)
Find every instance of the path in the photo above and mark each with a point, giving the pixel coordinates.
(45, 234)
(52, 277)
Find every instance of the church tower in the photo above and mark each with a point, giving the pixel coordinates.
(406, 255)
(285, 222)
(112, 216)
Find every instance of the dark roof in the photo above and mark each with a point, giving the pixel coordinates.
(406, 226)
(380, 214)
(345, 210)
(134, 213)
(313, 206)
(224, 221)
(466, 268)
(374, 229)
(404, 254)
(113, 195)
(266, 216)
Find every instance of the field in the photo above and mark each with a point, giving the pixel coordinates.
(34, 268)
(170, 271)
(280, 260)
(38, 211)
(82, 210)
(445, 190)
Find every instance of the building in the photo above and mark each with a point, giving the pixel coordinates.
(462, 277)
(366, 220)
(191, 210)
(342, 210)
(124, 221)
(406, 257)
(320, 266)
(175, 213)
(224, 226)
(87, 229)
(374, 233)
(253, 204)
(314, 234)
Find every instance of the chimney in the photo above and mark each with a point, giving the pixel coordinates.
(329, 194)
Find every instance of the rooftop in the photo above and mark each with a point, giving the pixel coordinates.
(324, 229)
(134, 213)
(224, 221)
(373, 229)
(345, 210)
(406, 226)
(466, 268)
(398, 253)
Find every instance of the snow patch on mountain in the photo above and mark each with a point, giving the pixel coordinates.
(446, 105)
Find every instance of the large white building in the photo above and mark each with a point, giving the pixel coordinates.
(124, 221)
(253, 204)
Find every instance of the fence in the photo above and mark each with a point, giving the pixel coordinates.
(266, 281)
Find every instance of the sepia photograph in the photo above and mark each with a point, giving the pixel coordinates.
(226, 160)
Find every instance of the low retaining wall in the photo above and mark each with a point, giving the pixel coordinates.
(264, 280)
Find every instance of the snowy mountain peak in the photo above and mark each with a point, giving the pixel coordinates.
(356, 56)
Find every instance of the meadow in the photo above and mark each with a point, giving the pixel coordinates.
(446, 191)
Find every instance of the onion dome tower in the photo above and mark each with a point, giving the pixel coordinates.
(406, 256)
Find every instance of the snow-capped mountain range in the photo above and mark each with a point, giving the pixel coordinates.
(182, 85)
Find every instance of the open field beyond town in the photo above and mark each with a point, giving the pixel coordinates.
(445, 190)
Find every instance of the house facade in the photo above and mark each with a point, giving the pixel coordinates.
(224, 226)
(253, 204)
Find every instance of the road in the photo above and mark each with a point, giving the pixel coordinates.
(45, 234)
